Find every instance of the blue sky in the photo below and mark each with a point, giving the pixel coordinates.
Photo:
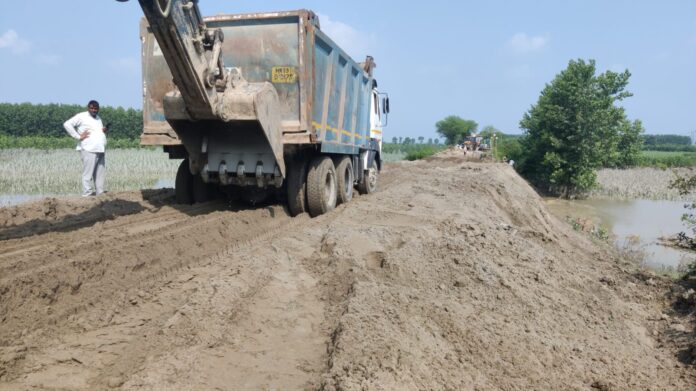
(480, 60)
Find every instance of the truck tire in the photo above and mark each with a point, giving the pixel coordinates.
(297, 187)
(201, 191)
(368, 183)
(183, 186)
(321, 186)
(344, 176)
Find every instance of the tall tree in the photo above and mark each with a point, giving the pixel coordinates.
(420, 139)
(454, 128)
(489, 131)
(575, 128)
(394, 140)
(630, 143)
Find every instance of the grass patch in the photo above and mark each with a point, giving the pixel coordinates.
(57, 171)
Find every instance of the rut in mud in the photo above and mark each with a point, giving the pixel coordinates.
(452, 276)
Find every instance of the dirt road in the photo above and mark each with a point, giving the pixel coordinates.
(452, 276)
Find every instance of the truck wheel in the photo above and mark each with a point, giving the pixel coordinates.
(297, 187)
(368, 183)
(201, 191)
(183, 186)
(321, 186)
(344, 176)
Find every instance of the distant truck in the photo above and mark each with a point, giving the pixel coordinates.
(259, 104)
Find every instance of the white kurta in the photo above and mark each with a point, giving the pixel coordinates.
(82, 122)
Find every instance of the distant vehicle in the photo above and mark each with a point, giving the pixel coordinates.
(472, 143)
(259, 104)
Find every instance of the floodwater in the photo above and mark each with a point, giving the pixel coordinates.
(645, 220)
(164, 183)
(16, 199)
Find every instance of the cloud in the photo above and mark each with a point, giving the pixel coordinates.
(521, 43)
(11, 40)
(125, 64)
(356, 43)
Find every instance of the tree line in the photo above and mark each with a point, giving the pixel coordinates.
(576, 127)
(414, 140)
(26, 119)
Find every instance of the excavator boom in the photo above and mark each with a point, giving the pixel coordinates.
(188, 47)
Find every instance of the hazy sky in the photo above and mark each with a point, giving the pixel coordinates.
(480, 60)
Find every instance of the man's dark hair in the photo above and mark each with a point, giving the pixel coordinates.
(93, 103)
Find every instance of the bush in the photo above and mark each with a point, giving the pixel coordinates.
(421, 153)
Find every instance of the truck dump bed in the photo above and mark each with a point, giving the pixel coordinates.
(324, 94)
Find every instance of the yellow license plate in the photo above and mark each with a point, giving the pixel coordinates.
(284, 75)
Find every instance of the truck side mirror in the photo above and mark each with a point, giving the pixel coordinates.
(385, 105)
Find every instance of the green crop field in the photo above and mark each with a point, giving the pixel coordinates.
(57, 171)
(663, 159)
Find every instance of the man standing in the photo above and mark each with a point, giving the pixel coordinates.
(87, 127)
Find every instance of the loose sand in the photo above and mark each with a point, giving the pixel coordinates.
(452, 276)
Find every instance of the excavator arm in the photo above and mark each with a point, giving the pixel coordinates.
(207, 90)
(192, 51)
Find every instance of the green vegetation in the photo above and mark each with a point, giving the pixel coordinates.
(652, 140)
(454, 129)
(667, 143)
(26, 119)
(409, 150)
(575, 128)
(393, 156)
(663, 159)
(50, 142)
(421, 153)
(508, 147)
(685, 185)
(57, 171)
(595, 231)
(670, 148)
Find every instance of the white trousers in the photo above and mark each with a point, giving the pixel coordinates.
(93, 169)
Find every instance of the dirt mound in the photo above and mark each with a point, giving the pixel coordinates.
(452, 276)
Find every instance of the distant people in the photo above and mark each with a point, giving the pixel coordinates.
(87, 127)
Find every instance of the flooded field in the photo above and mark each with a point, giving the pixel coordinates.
(28, 174)
(633, 223)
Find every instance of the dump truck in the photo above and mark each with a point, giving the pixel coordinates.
(259, 105)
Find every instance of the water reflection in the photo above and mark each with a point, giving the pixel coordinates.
(16, 199)
(646, 220)
(164, 183)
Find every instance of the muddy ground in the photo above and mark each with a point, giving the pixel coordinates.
(453, 276)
